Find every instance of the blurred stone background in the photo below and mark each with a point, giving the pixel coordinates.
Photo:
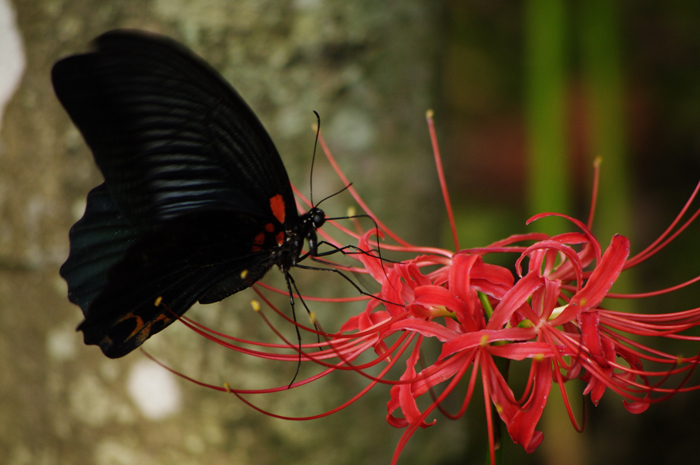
(371, 69)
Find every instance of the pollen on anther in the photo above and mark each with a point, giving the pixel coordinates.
(244, 274)
(158, 301)
(227, 386)
(256, 305)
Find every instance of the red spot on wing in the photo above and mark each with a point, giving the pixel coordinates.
(278, 207)
(280, 237)
(139, 325)
(258, 241)
(144, 329)
(269, 227)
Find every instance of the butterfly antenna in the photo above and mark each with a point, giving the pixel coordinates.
(313, 158)
(333, 195)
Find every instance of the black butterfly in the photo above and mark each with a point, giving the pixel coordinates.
(196, 204)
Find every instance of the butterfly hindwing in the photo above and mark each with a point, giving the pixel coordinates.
(178, 264)
(97, 242)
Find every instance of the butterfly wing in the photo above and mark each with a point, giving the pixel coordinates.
(112, 269)
(97, 242)
(169, 134)
(192, 180)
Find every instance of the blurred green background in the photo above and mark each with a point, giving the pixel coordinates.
(535, 91)
(526, 95)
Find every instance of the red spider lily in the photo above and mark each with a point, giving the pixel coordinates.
(546, 312)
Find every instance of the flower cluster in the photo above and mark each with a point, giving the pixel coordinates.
(546, 312)
(550, 316)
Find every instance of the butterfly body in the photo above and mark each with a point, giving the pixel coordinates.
(196, 204)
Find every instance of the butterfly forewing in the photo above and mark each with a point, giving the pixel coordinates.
(168, 133)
